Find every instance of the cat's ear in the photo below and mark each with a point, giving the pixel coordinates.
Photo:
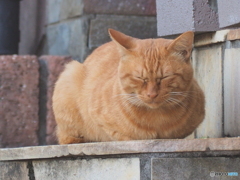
(183, 45)
(123, 41)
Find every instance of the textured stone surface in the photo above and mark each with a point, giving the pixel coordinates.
(176, 17)
(28, 24)
(207, 62)
(54, 66)
(53, 11)
(95, 169)
(18, 101)
(231, 92)
(139, 27)
(121, 147)
(234, 34)
(58, 10)
(69, 38)
(13, 171)
(122, 7)
(211, 38)
(229, 13)
(194, 168)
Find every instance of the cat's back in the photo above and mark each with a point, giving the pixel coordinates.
(103, 61)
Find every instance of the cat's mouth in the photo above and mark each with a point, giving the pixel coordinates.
(153, 104)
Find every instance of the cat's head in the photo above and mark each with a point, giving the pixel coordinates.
(154, 72)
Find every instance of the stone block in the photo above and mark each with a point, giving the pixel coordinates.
(231, 92)
(120, 148)
(175, 17)
(59, 10)
(71, 8)
(234, 34)
(120, 7)
(107, 169)
(28, 24)
(69, 38)
(52, 66)
(194, 168)
(211, 38)
(228, 12)
(139, 27)
(19, 78)
(13, 171)
(207, 63)
(53, 11)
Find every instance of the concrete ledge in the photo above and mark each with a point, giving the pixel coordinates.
(123, 147)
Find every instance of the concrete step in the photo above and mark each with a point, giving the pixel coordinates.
(130, 160)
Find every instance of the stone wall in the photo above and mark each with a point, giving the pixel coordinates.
(131, 160)
(76, 27)
(200, 16)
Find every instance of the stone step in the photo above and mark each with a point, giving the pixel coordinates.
(129, 160)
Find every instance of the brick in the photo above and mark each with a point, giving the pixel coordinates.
(69, 38)
(193, 168)
(19, 79)
(229, 14)
(207, 63)
(13, 170)
(176, 17)
(120, 7)
(231, 92)
(107, 169)
(53, 66)
(139, 27)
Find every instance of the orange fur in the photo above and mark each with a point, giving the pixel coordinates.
(129, 89)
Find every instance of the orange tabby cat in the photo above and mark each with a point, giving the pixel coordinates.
(129, 89)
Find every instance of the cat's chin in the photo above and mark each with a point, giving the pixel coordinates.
(152, 105)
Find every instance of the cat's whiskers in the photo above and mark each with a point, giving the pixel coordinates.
(175, 101)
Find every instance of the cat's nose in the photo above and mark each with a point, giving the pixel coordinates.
(152, 95)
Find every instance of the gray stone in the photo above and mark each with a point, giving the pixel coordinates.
(231, 92)
(207, 62)
(59, 10)
(121, 148)
(176, 17)
(68, 38)
(97, 169)
(71, 8)
(121, 7)
(194, 168)
(229, 14)
(53, 11)
(139, 27)
(13, 171)
(28, 24)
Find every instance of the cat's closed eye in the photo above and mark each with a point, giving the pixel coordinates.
(145, 80)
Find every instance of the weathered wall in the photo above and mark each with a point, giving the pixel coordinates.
(76, 27)
(26, 88)
(215, 60)
(175, 17)
(32, 26)
(131, 160)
